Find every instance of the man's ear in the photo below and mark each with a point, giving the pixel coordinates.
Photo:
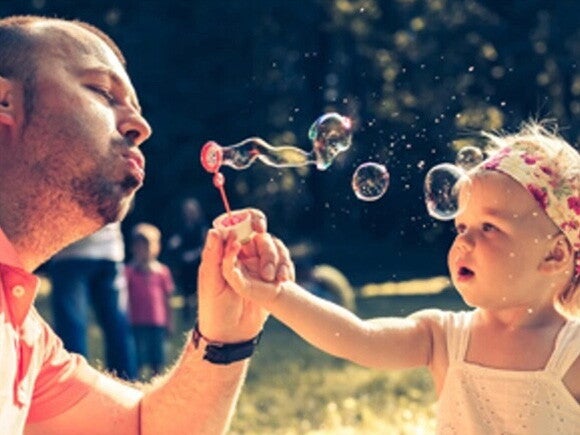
(7, 106)
(559, 255)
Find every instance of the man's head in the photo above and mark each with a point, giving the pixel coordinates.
(70, 126)
(20, 46)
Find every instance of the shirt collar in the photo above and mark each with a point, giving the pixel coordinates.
(20, 287)
(8, 254)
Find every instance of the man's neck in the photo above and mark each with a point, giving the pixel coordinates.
(37, 234)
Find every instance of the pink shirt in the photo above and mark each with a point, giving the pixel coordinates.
(148, 293)
(39, 379)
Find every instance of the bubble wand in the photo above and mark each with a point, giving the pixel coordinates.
(331, 134)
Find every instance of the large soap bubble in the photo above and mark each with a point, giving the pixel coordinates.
(443, 184)
(370, 181)
(330, 134)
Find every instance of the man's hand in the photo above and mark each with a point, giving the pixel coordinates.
(224, 315)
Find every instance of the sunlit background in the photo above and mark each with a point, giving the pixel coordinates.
(419, 78)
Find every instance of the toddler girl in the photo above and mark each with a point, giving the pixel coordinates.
(150, 284)
(512, 364)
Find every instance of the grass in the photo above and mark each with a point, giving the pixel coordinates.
(293, 388)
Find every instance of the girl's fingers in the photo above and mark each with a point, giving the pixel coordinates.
(286, 271)
(267, 253)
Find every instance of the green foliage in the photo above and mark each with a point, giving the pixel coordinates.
(295, 389)
(417, 77)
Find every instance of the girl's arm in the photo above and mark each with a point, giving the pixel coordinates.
(392, 343)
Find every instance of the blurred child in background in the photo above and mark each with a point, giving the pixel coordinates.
(184, 254)
(150, 285)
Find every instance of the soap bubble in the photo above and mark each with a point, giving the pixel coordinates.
(443, 184)
(370, 181)
(469, 157)
(330, 134)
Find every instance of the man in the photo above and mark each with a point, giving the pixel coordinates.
(70, 128)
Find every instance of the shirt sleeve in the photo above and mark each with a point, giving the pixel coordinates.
(63, 380)
(168, 280)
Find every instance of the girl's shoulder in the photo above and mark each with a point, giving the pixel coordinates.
(442, 320)
(445, 329)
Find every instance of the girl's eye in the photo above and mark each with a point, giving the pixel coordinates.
(487, 227)
(460, 229)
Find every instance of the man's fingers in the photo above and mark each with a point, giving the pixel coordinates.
(210, 276)
(230, 269)
(259, 222)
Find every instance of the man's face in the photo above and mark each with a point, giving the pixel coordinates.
(83, 133)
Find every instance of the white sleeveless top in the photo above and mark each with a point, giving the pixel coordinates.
(487, 401)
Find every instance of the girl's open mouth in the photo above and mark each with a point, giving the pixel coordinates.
(465, 273)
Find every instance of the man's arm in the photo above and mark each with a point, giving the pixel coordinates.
(196, 396)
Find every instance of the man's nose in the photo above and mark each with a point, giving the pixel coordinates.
(135, 128)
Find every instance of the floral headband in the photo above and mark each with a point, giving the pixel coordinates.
(552, 176)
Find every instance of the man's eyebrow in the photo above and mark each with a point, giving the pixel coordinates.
(117, 81)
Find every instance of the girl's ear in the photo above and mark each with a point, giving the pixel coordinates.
(7, 112)
(559, 256)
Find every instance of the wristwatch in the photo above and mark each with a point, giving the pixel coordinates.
(225, 353)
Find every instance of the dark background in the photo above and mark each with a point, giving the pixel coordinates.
(420, 78)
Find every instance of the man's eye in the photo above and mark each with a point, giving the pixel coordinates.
(104, 93)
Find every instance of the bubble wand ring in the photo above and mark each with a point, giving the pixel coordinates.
(237, 222)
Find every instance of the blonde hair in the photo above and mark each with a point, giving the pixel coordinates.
(545, 136)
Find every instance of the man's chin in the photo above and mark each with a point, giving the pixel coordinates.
(115, 211)
(131, 184)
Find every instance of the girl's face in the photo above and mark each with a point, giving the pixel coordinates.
(142, 251)
(502, 238)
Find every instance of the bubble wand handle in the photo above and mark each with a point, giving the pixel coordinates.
(211, 160)
(218, 181)
(239, 222)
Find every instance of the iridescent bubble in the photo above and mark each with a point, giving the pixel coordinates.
(370, 181)
(469, 157)
(330, 134)
(443, 185)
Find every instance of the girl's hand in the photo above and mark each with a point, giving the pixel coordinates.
(248, 272)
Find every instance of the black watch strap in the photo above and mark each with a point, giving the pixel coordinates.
(225, 353)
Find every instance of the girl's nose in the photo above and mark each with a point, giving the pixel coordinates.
(464, 241)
